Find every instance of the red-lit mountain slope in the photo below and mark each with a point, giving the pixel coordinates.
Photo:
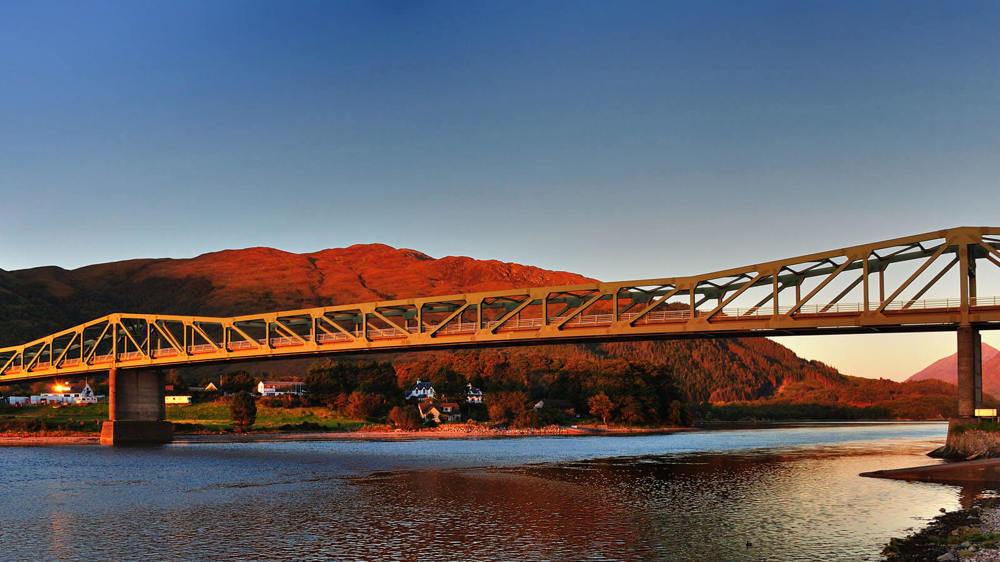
(946, 369)
(38, 301)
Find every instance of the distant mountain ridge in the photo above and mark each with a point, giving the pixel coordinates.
(946, 369)
(36, 302)
(39, 301)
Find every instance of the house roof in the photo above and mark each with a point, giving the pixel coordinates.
(427, 407)
(424, 385)
(469, 389)
(448, 405)
(282, 384)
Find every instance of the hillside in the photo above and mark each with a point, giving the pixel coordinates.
(35, 302)
(946, 369)
(39, 301)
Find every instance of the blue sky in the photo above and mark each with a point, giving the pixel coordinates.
(619, 140)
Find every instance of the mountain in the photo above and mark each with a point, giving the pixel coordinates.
(35, 302)
(946, 369)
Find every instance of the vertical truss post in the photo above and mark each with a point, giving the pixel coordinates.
(774, 292)
(963, 288)
(865, 272)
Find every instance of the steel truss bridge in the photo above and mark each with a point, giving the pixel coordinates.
(925, 282)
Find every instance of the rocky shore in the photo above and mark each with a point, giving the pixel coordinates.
(969, 534)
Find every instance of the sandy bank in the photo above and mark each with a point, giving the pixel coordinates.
(31, 439)
(443, 432)
(983, 471)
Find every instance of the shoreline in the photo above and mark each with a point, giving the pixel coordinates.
(373, 434)
(970, 533)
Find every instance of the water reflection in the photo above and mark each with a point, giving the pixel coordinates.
(657, 497)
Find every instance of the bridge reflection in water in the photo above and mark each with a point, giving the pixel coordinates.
(926, 282)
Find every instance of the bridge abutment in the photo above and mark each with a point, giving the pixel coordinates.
(136, 409)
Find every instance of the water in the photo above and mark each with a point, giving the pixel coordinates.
(793, 492)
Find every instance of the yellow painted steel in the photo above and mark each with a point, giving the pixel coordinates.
(672, 307)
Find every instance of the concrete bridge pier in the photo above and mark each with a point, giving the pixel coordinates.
(970, 371)
(136, 409)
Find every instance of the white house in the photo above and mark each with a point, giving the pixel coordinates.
(473, 395)
(177, 399)
(277, 388)
(421, 390)
(17, 400)
(69, 394)
(447, 411)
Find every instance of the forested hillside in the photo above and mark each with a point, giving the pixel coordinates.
(39, 301)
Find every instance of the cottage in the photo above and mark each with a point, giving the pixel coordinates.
(278, 388)
(69, 394)
(437, 413)
(473, 395)
(421, 390)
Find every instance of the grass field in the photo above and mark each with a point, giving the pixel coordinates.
(214, 416)
(197, 417)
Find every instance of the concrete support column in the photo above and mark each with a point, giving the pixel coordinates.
(136, 409)
(970, 371)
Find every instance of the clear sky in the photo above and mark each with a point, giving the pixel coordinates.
(615, 139)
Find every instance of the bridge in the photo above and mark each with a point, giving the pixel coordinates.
(925, 282)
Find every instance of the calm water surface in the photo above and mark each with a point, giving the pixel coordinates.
(793, 492)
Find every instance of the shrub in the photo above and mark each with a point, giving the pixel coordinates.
(405, 418)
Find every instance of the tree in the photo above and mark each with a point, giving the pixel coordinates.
(507, 406)
(243, 410)
(630, 410)
(600, 405)
(404, 417)
(678, 414)
(174, 378)
(237, 381)
(361, 405)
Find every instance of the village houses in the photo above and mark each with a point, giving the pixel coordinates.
(279, 388)
(69, 394)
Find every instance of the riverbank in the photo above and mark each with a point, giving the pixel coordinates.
(969, 534)
(455, 431)
(972, 533)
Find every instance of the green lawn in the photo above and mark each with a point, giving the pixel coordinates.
(199, 417)
(215, 417)
(85, 419)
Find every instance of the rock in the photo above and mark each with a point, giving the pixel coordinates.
(946, 557)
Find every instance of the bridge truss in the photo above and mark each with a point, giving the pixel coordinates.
(926, 282)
